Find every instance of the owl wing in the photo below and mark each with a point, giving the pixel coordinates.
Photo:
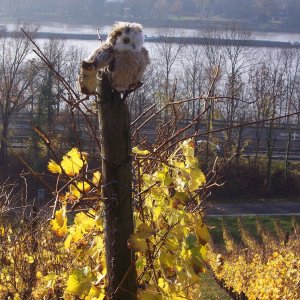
(101, 57)
(145, 54)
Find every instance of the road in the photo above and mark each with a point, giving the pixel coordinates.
(253, 209)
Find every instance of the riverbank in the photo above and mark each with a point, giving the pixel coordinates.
(202, 24)
(169, 39)
(195, 23)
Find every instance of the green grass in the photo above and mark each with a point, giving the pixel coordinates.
(210, 290)
(241, 200)
(215, 225)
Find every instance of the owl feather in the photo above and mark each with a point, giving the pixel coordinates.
(122, 55)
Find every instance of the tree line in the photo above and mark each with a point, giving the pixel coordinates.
(230, 83)
(260, 86)
(250, 12)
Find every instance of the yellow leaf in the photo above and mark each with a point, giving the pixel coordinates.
(39, 275)
(53, 167)
(144, 231)
(188, 150)
(59, 224)
(79, 282)
(167, 260)
(30, 259)
(73, 284)
(203, 252)
(51, 280)
(156, 212)
(150, 293)
(197, 179)
(163, 285)
(180, 197)
(73, 162)
(97, 178)
(84, 222)
(83, 225)
(68, 242)
(76, 235)
(202, 232)
(2, 231)
(79, 188)
(137, 243)
(148, 180)
(141, 263)
(180, 165)
(138, 151)
(101, 297)
(94, 292)
(17, 296)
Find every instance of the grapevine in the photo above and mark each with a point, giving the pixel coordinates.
(169, 241)
(270, 271)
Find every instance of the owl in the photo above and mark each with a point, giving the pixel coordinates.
(122, 54)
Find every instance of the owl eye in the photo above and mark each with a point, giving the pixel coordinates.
(126, 40)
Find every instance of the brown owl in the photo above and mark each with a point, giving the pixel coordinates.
(122, 54)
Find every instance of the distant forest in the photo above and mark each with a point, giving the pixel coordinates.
(256, 14)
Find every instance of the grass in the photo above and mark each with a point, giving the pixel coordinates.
(210, 290)
(231, 223)
(242, 200)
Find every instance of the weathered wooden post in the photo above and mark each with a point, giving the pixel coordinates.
(115, 140)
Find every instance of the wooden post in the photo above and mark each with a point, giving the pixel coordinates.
(115, 143)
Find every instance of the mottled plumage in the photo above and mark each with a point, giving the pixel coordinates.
(122, 54)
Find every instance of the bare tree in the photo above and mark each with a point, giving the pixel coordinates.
(258, 93)
(193, 79)
(291, 61)
(144, 97)
(268, 89)
(237, 57)
(48, 105)
(276, 92)
(214, 64)
(16, 77)
(166, 55)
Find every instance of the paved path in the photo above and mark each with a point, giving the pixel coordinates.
(271, 209)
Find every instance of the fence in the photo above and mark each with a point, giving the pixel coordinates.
(21, 132)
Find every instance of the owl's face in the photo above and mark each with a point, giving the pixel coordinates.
(130, 37)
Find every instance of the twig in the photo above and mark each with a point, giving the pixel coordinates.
(143, 114)
(182, 130)
(227, 128)
(99, 35)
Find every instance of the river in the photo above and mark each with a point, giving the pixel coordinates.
(66, 28)
(90, 45)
